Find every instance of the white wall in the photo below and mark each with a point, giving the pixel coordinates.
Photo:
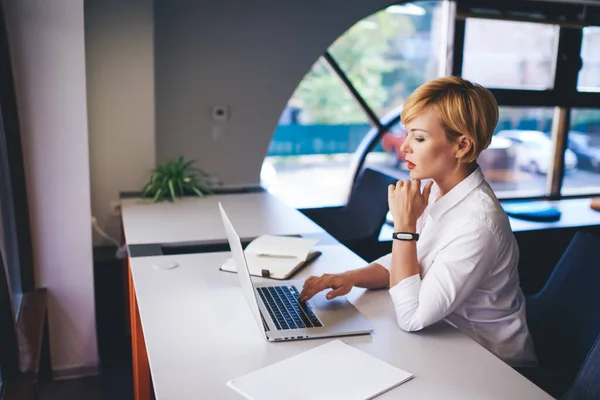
(48, 54)
(249, 55)
(120, 94)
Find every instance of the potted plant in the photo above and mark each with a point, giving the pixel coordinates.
(177, 178)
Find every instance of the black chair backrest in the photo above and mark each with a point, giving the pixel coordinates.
(564, 317)
(587, 382)
(368, 203)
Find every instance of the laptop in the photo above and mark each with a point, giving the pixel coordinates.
(279, 313)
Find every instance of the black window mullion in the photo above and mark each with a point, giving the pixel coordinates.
(568, 65)
(458, 48)
(568, 62)
(545, 98)
(346, 81)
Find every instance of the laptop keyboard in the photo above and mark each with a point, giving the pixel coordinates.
(287, 312)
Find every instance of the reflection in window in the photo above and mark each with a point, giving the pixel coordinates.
(509, 54)
(589, 75)
(386, 156)
(518, 160)
(583, 142)
(390, 53)
(307, 162)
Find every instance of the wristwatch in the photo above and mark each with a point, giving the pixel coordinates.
(405, 236)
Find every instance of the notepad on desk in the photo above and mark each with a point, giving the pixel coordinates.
(334, 370)
(277, 257)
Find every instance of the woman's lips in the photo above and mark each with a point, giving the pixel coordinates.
(410, 165)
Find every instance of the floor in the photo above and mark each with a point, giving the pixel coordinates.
(115, 381)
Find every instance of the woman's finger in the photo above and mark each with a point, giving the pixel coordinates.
(315, 287)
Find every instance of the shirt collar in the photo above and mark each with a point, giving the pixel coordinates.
(456, 194)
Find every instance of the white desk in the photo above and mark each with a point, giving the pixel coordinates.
(576, 213)
(199, 333)
(194, 219)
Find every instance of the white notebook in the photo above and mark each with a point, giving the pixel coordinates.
(334, 370)
(277, 257)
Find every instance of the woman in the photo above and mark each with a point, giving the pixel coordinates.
(454, 256)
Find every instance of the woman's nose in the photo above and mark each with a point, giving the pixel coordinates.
(404, 147)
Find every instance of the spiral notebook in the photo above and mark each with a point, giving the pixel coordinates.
(276, 257)
(334, 370)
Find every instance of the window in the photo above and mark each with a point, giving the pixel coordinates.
(309, 155)
(386, 156)
(589, 75)
(517, 161)
(509, 54)
(389, 54)
(365, 76)
(583, 145)
(384, 57)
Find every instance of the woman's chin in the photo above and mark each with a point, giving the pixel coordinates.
(414, 174)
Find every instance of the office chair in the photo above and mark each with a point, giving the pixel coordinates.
(586, 385)
(357, 225)
(563, 316)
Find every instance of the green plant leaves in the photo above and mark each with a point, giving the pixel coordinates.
(177, 178)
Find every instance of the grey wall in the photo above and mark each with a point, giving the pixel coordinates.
(48, 55)
(249, 55)
(120, 97)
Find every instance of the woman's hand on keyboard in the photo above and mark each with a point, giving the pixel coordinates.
(340, 283)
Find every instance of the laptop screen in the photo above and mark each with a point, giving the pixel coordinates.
(242, 267)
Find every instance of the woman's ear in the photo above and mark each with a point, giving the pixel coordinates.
(464, 146)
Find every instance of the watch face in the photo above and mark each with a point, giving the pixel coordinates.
(405, 236)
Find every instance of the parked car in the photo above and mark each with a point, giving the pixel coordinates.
(500, 155)
(588, 156)
(534, 151)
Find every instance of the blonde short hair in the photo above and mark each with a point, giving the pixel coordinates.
(464, 108)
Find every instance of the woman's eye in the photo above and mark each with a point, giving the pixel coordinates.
(419, 140)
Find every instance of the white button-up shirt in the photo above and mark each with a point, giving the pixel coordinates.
(468, 258)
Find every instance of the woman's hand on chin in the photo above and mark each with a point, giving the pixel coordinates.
(407, 203)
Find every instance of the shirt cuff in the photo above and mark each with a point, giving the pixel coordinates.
(406, 291)
(384, 261)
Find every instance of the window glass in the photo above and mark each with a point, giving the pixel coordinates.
(583, 152)
(309, 155)
(390, 53)
(386, 155)
(509, 54)
(589, 75)
(517, 162)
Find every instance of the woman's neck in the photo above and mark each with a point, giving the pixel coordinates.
(448, 182)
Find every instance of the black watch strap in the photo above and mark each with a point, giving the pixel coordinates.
(405, 236)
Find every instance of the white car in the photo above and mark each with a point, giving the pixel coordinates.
(534, 151)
